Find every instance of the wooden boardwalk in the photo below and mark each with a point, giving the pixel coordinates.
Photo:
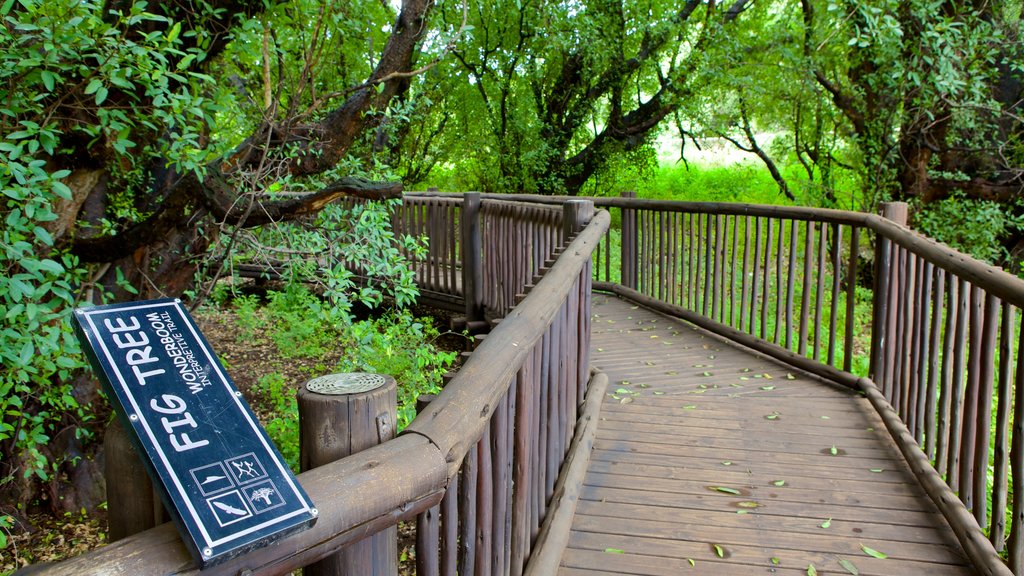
(712, 460)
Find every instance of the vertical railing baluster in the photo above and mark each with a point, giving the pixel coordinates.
(468, 516)
(754, 293)
(909, 332)
(932, 409)
(484, 505)
(522, 461)
(732, 257)
(500, 471)
(901, 331)
(956, 351)
(851, 300)
(836, 236)
(539, 438)
(986, 376)
(781, 272)
(698, 258)
(922, 349)
(696, 235)
(450, 528)
(971, 400)
(717, 302)
(819, 294)
(628, 244)
(747, 316)
(805, 296)
(1004, 401)
(766, 288)
(794, 242)
(1016, 540)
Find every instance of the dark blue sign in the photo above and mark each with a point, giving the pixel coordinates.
(224, 482)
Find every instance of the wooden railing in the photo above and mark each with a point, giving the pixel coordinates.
(935, 345)
(483, 460)
(930, 336)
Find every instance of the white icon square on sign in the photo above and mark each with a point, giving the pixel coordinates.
(263, 496)
(228, 508)
(211, 478)
(246, 468)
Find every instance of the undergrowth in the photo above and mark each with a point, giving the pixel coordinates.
(301, 325)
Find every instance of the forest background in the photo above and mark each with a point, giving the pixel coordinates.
(147, 148)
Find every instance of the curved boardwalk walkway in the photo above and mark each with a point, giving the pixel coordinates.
(714, 455)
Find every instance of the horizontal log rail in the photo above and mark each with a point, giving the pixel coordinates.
(484, 456)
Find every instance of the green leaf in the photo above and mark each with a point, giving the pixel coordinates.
(172, 34)
(43, 236)
(94, 85)
(49, 79)
(833, 450)
(849, 567)
(779, 483)
(719, 551)
(873, 553)
(614, 551)
(877, 470)
(811, 571)
(691, 561)
(826, 523)
(775, 561)
(767, 387)
(51, 266)
(727, 490)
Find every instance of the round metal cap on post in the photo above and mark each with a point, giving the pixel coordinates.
(340, 415)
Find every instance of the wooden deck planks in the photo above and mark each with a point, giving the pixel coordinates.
(695, 431)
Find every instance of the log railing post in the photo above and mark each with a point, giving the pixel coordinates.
(883, 296)
(428, 527)
(133, 503)
(472, 265)
(340, 415)
(628, 244)
(575, 216)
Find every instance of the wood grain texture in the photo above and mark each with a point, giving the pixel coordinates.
(701, 444)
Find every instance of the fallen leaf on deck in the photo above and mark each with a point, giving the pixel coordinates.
(874, 553)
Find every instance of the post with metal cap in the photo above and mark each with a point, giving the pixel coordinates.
(339, 415)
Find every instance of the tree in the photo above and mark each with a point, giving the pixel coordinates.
(545, 96)
(136, 136)
(931, 90)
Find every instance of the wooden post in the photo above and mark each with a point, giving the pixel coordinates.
(340, 415)
(881, 298)
(133, 503)
(575, 216)
(472, 266)
(628, 244)
(428, 527)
